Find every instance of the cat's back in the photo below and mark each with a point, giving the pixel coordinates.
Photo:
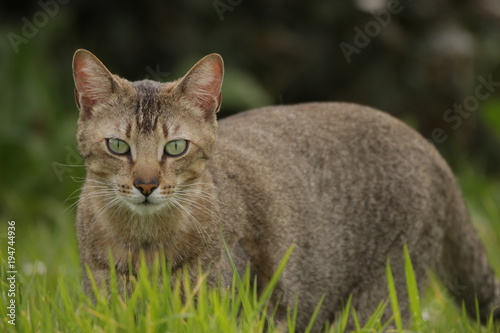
(341, 156)
(317, 132)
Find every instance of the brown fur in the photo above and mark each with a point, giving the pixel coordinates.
(347, 184)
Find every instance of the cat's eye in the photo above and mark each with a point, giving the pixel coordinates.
(118, 146)
(176, 147)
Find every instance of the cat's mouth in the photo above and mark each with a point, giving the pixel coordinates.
(146, 207)
(148, 202)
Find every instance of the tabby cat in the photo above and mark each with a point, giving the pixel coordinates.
(347, 184)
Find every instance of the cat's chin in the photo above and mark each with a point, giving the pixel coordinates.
(146, 208)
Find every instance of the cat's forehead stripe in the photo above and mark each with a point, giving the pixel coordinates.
(148, 105)
(165, 130)
(129, 129)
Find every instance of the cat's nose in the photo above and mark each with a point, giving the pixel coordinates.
(146, 188)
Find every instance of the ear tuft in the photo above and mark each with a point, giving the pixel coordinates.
(93, 81)
(203, 83)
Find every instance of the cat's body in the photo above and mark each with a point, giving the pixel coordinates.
(346, 184)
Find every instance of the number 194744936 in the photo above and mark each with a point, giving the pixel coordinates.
(11, 241)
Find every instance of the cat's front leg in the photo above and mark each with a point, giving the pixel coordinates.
(99, 283)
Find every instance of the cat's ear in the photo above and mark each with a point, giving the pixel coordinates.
(93, 81)
(202, 84)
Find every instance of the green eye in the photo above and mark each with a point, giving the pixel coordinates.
(176, 147)
(118, 146)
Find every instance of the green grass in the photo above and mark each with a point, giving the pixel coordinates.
(159, 307)
(49, 297)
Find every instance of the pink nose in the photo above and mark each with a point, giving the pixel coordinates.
(146, 188)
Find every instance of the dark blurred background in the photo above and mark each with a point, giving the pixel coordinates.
(432, 63)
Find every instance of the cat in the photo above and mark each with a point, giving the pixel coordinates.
(347, 184)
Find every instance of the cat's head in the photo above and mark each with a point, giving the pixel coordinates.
(143, 141)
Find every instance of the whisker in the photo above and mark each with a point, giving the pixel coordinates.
(101, 182)
(78, 179)
(70, 165)
(211, 212)
(193, 184)
(90, 195)
(194, 203)
(104, 209)
(189, 187)
(89, 180)
(97, 189)
(197, 224)
(71, 195)
(200, 194)
(117, 209)
(94, 193)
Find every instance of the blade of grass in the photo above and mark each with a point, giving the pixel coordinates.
(374, 322)
(239, 283)
(356, 320)
(314, 315)
(268, 290)
(393, 297)
(413, 294)
(292, 316)
(345, 314)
